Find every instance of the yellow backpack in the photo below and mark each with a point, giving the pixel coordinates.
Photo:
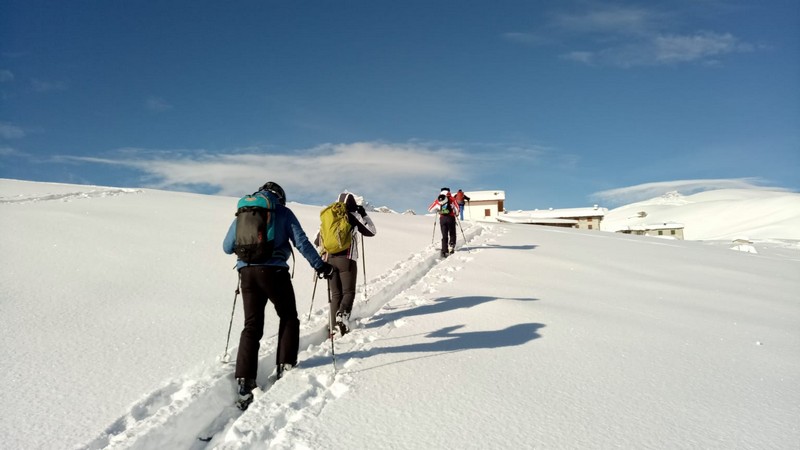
(335, 230)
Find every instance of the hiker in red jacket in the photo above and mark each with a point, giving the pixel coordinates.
(460, 198)
(447, 208)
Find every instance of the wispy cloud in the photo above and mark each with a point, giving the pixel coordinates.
(157, 104)
(9, 131)
(624, 36)
(390, 172)
(48, 86)
(401, 175)
(647, 191)
(8, 151)
(702, 45)
(608, 19)
(531, 39)
(6, 76)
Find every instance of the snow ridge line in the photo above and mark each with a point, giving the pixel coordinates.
(69, 196)
(173, 416)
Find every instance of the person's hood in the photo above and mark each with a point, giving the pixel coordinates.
(349, 201)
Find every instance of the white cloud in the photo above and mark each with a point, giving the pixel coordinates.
(400, 175)
(48, 86)
(607, 20)
(157, 104)
(670, 49)
(389, 172)
(6, 75)
(9, 131)
(703, 47)
(527, 38)
(620, 36)
(647, 191)
(580, 56)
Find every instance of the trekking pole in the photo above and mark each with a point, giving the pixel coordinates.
(462, 231)
(434, 229)
(330, 328)
(313, 293)
(226, 357)
(364, 265)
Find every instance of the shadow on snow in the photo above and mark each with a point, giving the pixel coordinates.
(505, 247)
(439, 305)
(447, 339)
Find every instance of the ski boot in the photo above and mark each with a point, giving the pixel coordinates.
(282, 369)
(342, 323)
(246, 386)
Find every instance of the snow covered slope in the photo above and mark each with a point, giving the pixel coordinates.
(115, 306)
(724, 214)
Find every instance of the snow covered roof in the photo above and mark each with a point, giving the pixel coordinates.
(530, 220)
(655, 226)
(482, 196)
(566, 213)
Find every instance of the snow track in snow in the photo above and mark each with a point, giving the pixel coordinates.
(181, 412)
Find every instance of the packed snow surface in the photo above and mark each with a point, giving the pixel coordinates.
(116, 305)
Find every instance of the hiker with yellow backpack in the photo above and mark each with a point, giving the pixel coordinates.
(341, 222)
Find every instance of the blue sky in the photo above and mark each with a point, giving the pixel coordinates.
(559, 103)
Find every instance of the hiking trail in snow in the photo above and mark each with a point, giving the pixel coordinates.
(197, 411)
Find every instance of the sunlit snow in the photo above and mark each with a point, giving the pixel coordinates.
(116, 305)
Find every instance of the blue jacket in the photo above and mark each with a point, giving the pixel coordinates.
(287, 228)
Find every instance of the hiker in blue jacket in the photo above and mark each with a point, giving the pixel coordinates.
(270, 281)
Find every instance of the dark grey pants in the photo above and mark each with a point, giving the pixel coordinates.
(342, 285)
(259, 285)
(448, 225)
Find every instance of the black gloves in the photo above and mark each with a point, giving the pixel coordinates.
(326, 271)
(361, 210)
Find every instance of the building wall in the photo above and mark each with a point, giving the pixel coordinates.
(589, 223)
(482, 211)
(672, 232)
(675, 233)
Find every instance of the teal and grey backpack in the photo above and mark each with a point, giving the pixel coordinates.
(444, 208)
(255, 228)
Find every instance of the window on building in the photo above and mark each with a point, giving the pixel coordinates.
(660, 232)
(588, 219)
(672, 232)
(487, 212)
(590, 226)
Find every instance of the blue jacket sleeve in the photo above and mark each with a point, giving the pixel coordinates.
(230, 239)
(301, 242)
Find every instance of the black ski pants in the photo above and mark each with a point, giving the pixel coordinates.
(342, 285)
(448, 225)
(261, 284)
